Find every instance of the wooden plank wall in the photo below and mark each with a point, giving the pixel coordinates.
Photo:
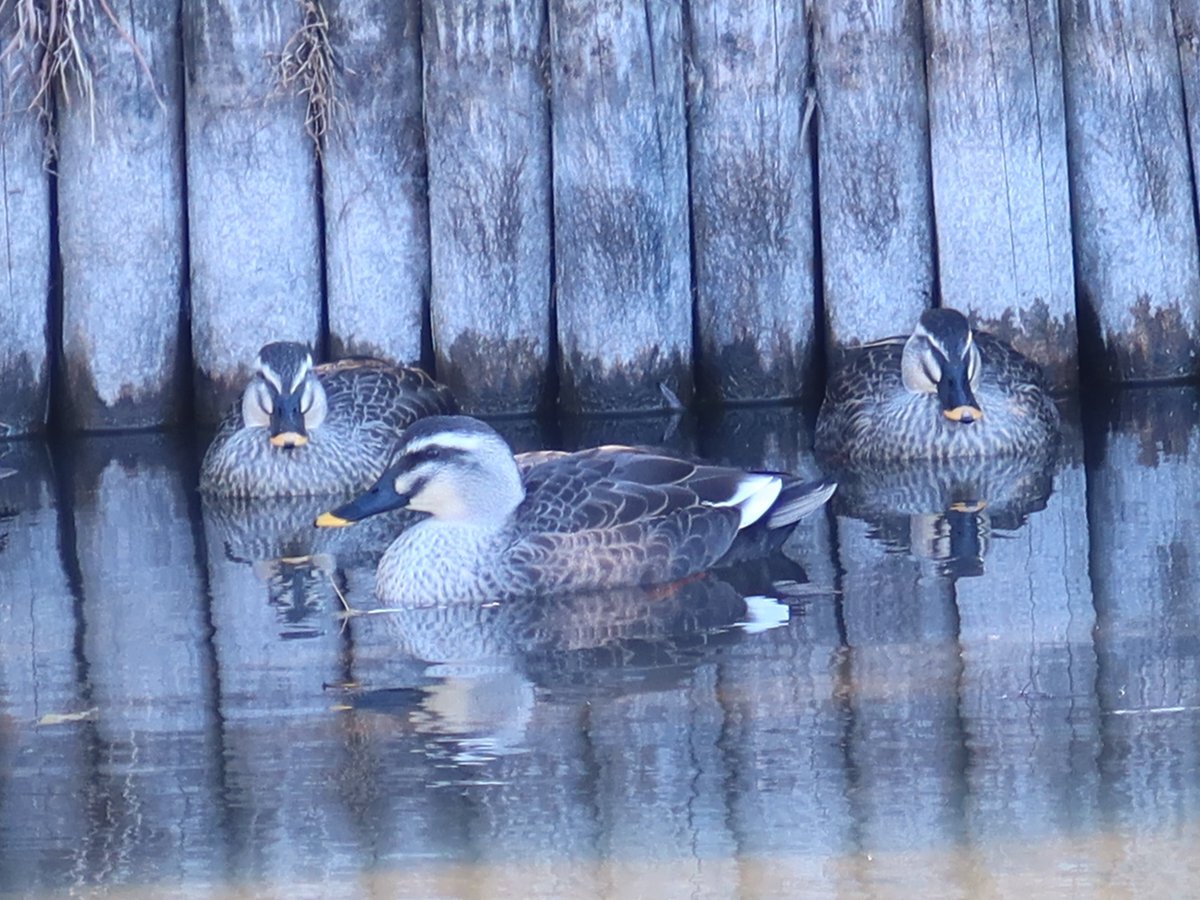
(373, 172)
(873, 156)
(583, 204)
(622, 271)
(25, 206)
(997, 135)
(752, 210)
(253, 228)
(488, 131)
(1132, 197)
(121, 225)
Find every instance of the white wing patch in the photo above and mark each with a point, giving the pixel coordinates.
(763, 614)
(755, 494)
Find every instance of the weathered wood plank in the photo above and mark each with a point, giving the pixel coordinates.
(488, 132)
(24, 246)
(998, 146)
(120, 223)
(251, 177)
(1144, 524)
(902, 666)
(620, 204)
(1136, 257)
(148, 663)
(1187, 38)
(373, 170)
(873, 155)
(1026, 627)
(751, 198)
(38, 624)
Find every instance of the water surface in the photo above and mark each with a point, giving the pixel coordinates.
(951, 683)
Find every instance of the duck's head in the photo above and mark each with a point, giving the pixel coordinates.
(284, 395)
(455, 468)
(941, 357)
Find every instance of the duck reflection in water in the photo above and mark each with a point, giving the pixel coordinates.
(471, 672)
(304, 569)
(945, 511)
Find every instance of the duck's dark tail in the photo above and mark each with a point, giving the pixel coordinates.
(797, 499)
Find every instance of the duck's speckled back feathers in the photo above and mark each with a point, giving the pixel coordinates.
(367, 405)
(560, 522)
(870, 415)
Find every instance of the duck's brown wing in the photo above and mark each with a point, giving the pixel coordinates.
(381, 396)
(864, 370)
(616, 515)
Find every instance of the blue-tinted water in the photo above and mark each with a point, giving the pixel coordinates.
(962, 683)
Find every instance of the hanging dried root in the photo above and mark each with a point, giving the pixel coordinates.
(50, 44)
(308, 66)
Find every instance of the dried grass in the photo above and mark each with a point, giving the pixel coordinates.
(49, 42)
(309, 67)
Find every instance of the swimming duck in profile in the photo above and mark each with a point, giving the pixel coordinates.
(551, 522)
(943, 392)
(303, 430)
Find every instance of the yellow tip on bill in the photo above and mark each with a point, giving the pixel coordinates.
(329, 520)
(961, 413)
(288, 439)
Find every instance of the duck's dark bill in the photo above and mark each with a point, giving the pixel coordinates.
(379, 499)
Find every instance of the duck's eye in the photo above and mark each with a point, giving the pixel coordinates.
(428, 454)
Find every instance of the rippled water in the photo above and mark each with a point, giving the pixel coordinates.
(955, 683)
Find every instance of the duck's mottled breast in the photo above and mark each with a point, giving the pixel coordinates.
(370, 402)
(869, 415)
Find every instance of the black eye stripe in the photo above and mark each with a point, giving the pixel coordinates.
(433, 452)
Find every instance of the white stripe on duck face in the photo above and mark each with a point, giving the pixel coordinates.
(271, 376)
(454, 440)
(303, 370)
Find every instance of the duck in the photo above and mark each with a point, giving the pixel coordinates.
(304, 430)
(946, 391)
(499, 526)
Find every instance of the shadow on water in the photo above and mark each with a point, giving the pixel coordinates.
(955, 680)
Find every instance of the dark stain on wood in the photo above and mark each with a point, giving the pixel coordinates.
(1159, 347)
(218, 392)
(1046, 339)
(591, 384)
(622, 235)
(83, 409)
(743, 371)
(490, 375)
